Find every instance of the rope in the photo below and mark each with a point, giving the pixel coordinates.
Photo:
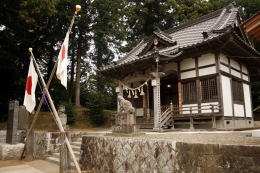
(140, 86)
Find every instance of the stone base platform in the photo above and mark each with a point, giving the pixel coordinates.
(11, 152)
(125, 129)
(256, 133)
(126, 154)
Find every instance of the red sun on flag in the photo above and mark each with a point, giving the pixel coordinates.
(63, 52)
(29, 85)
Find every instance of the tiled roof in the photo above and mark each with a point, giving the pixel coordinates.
(194, 32)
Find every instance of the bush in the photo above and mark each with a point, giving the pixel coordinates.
(69, 110)
(97, 115)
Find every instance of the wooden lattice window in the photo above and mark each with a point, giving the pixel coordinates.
(237, 91)
(209, 89)
(189, 92)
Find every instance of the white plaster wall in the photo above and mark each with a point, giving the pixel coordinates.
(208, 107)
(239, 110)
(235, 73)
(187, 63)
(224, 68)
(206, 59)
(186, 108)
(245, 77)
(247, 97)
(234, 64)
(227, 97)
(223, 59)
(188, 74)
(244, 69)
(207, 71)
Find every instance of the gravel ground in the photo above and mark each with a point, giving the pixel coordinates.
(232, 138)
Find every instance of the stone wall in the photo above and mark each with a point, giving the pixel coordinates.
(20, 136)
(115, 154)
(11, 152)
(49, 142)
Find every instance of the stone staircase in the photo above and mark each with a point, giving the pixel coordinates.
(55, 157)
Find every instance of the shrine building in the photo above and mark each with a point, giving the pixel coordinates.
(195, 75)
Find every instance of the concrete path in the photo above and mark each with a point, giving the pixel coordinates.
(36, 166)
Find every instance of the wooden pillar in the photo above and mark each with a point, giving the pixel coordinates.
(214, 125)
(63, 154)
(144, 104)
(29, 146)
(148, 114)
(191, 123)
(157, 103)
(68, 134)
(180, 96)
(172, 109)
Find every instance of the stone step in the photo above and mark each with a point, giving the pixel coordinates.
(78, 140)
(57, 155)
(57, 162)
(77, 154)
(75, 148)
(77, 143)
(53, 159)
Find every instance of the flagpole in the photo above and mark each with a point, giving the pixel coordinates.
(58, 121)
(42, 99)
(78, 8)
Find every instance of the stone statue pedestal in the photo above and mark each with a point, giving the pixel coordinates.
(125, 123)
(125, 129)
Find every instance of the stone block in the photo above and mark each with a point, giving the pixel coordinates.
(40, 144)
(121, 154)
(125, 129)
(256, 133)
(12, 124)
(23, 118)
(11, 152)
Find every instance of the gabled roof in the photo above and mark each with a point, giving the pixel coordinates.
(252, 26)
(186, 35)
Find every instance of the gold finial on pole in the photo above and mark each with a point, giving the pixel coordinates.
(78, 8)
(30, 49)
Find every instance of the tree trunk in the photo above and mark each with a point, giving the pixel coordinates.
(50, 62)
(77, 84)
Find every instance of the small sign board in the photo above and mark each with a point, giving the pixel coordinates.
(154, 82)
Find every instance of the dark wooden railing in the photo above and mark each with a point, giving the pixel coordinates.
(171, 112)
(165, 107)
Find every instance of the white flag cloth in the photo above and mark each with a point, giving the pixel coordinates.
(29, 97)
(63, 62)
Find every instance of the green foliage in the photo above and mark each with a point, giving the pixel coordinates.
(39, 8)
(96, 106)
(70, 113)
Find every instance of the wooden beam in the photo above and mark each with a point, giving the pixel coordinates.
(180, 94)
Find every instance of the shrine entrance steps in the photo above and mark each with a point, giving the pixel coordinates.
(144, 123)
(55, 157)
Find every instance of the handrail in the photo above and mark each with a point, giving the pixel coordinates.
(174, 111)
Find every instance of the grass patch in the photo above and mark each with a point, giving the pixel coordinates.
(45, 120)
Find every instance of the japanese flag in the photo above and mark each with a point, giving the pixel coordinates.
(63, 62)
(29, 97)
